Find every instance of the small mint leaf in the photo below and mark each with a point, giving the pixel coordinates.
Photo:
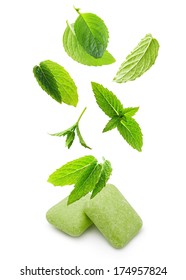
(112, 124)
(130, 112)
(70, 139)
(64, 132)
(81, 140)
(106, 172)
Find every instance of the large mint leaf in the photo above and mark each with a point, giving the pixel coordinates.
(86, 182)
(107, 101)
(92, 34)
(139, 61)
(106, 171)
(131, 132)
(57, 82)
(77, 53)
(69, 173)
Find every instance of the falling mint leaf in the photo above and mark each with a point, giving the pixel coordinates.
(57, 82)
(131, 132)
(106, 171)
(47, 82)
(91, 33)
(77, 53)
(86, 183)
(70, 173)
(107, 101)
(139, 61)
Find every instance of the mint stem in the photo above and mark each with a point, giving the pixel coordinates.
(81, 115)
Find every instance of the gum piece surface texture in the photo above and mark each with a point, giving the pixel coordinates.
(113, 216)
(70, 219)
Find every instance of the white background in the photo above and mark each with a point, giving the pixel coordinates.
(152, 181)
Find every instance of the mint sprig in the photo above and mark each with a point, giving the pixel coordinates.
(85, 173)
(120, 117)
(71, 132)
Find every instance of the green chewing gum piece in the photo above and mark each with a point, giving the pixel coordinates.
(70, 219)
(113, 216)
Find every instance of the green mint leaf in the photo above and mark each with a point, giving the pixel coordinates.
(81, 140)
(57, 82)
(130, 112)
(70, 173)
(77, 53)
(131, 132)
(86, 182)
(107, 101)
(70, 139)
(70, 132)
(139, 61)
(92, 34)
(64, 132)
(112, 124)
(104, 177)
(47, 82)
